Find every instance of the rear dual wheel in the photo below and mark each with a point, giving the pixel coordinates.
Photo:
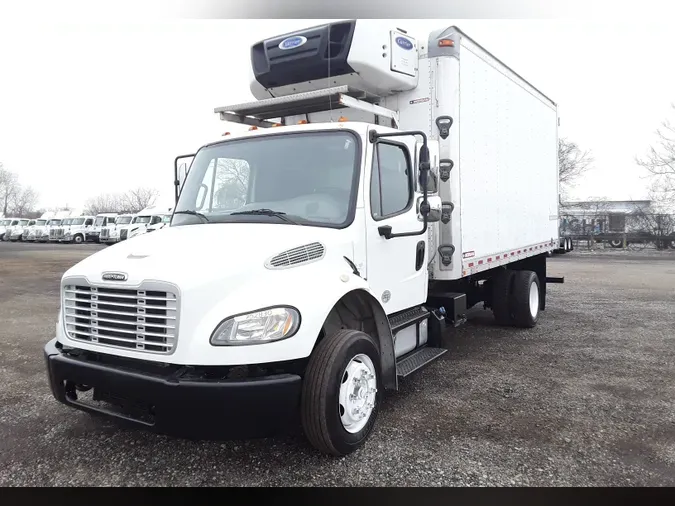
(516, 298)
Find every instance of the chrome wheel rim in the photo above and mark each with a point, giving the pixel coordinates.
(358, 393)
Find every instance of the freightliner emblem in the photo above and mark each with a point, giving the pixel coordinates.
(114, 276)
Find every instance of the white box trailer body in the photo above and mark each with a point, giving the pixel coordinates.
(423, 182)
(501, 155)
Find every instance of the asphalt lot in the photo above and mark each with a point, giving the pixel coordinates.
(585, 399)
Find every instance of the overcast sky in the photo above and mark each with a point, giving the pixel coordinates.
(91, 107)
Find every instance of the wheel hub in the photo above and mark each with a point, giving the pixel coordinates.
(358, 392)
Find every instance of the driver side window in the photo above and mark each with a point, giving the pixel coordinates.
(391, 183)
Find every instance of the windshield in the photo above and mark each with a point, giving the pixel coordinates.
(311, 177)
(124, 220)
(55, 222)
(142, 219)
(4, 223)
(24, 222)
(67, 221)
(166, 219)
(78, 221)
(40, 223)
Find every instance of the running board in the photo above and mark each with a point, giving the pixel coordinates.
(407, 318)
(555, 280)
(417, 360)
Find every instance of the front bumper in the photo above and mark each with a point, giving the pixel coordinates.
(165, 401)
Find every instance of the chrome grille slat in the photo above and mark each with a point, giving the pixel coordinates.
(137, 319)
(119, 322)
(121, 339)
(122, 313)
(119, 296)
(112, 329)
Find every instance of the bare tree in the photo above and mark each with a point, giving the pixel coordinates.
(572, 163)
(136, 200)
(9, 186)
(660, 163)
(23, 202)
(104, 203)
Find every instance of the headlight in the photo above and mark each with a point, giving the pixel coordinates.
(263, 326)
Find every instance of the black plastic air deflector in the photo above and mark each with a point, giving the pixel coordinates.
(274, 67)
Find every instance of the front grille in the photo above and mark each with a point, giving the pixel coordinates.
(52, 233)
(25, 234)
(60, 232)
(123, 234)
(142, 320)
(104, 233)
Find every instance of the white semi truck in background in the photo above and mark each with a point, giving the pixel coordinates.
(77, 230)
(388, 184)
(116, 230)
(146, 218)
(40, 227)
(102, 220)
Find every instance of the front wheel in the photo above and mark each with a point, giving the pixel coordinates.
(340, 392)
(78, 239)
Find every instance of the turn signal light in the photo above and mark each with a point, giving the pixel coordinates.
(303, 122)
(253, 128)
(446, 43)
(277, 124)
(226, 133)
(342, 119)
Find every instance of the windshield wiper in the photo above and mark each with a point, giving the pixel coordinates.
(268, 212)
(193, 213)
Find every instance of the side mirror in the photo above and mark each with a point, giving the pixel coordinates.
(435, 208)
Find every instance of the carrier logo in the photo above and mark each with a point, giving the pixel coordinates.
(292, 42)
(404, 43)
(114, 276)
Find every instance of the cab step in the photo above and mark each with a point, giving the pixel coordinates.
(417, 359)
(407, 318)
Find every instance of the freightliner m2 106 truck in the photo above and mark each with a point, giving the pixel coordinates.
(387, 184)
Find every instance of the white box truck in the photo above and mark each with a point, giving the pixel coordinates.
(387, 184)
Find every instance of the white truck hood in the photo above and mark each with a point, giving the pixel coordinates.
(195, 255)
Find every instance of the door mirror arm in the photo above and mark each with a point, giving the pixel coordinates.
(424, 168)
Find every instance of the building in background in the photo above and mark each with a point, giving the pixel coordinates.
(604, 216)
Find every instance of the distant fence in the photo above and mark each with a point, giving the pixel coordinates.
(634, 231)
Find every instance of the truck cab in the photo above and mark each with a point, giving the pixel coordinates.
(38, 226)
(141, 223)
(4, 223)
(15, 229)
(116, 231)
(77, 230)
(102, 220)
(316, 261)
(57, 233)
(27, 230)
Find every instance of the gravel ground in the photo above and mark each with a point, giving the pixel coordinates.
(584, 399)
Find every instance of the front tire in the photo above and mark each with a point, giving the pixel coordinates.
(340, 394)
(78, 239)
(525, 299)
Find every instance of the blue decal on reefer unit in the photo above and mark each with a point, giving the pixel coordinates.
(292, 42)
(404, 43)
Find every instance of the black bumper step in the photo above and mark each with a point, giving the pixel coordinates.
(407, 318)
(418, 359)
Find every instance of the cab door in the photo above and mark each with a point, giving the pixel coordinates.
(396, 267)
